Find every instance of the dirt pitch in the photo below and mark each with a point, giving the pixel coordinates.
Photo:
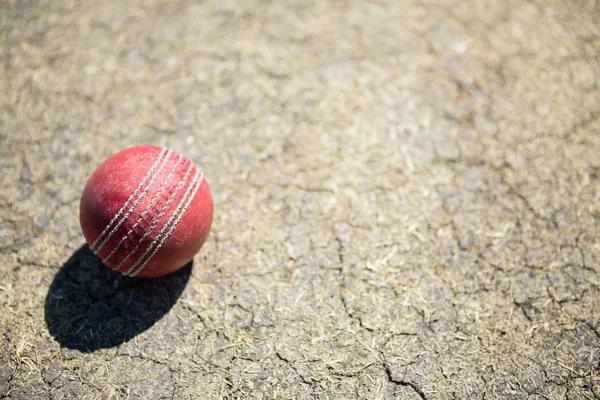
(407, 199)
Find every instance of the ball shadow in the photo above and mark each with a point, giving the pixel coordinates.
(89, 306)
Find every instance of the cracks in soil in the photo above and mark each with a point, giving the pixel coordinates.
(400, 382)
(7, 342)
(526, 308)
(342, 277)
(307, 381)
(354, 317)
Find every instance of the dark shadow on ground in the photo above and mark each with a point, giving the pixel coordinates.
(89, 306)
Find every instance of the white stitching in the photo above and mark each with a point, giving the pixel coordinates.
(142, 195)
(150, 204)
(116, 217)
(162, 211)
(166, 237)
(174, 215)
(167, 224)
(155, 222)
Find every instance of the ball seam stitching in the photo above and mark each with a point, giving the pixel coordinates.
(142, 195)
(129, 199)
(156, 195)
(158, 218)
(178, 214)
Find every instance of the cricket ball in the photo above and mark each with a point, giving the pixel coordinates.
(146, 211)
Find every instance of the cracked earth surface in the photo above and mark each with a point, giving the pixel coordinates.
(407, 199)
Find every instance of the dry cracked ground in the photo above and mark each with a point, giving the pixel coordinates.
(407, 199)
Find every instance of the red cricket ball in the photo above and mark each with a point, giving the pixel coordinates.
(146, 211)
